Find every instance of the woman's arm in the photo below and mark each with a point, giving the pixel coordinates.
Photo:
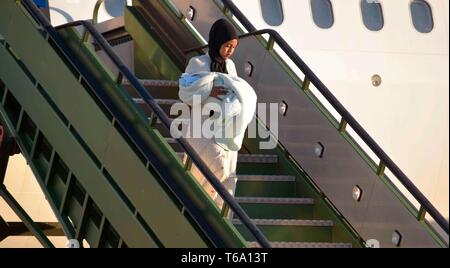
(218, 91)
(196, 64)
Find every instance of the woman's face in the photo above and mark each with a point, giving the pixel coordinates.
(227, 49)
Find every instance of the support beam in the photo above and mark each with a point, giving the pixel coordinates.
(3, 229)
(28, 222)
(48, 228)
(4, 153)
(8, 147)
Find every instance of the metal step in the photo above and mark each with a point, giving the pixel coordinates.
(265, 185)
(177, 147)
(171, 140)
(266, 178)
(290, 230)
(278, 208)
(181, 120)
(302, 245)
(158, 101)
(153, 83)
(285, 222)
(278, 201)
(249, 158)
(257, 158)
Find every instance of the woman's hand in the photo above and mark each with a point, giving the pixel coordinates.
(218, 91)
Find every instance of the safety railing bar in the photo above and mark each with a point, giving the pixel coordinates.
(25, 218)
(254, 33)
(97, 8)
(149, 100)
(370, 142)
(95, 12)
(344, 121)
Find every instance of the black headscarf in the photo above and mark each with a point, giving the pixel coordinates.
(221, 32)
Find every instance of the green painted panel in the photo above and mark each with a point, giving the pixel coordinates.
(149, 198)
(91, 117)
(293, 233)
(340, 233)
(279, 211)
(265, 189)
(75, 157)
(66, 92)
(221, 226)
(117, 157)
(257, 169)
(148, 52)
(304, 187)
(5, 19)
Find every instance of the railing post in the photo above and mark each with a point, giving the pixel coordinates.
(342, 125)
(157, 112)
(270, 43)
(188, 163)
(226, 10)
(305, 86)
(153, 119)
(95, 13)
(381, 168)
(119, 78)
(422, 213)
(225, 210)
(85, 37)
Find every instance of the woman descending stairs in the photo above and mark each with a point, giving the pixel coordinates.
(268, 196)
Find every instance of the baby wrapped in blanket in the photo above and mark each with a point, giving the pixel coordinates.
(229, 100)
(237, 106)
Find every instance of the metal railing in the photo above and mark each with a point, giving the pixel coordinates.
(124, 72)
(347, 118)
(97, 8)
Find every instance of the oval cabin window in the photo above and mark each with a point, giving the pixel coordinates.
(272, 12)
(372, 15)
(422, 16)
(322, 13)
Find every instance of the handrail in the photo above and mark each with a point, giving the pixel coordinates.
(346, 116)
(124, 71)
(242, 36)
(96, 9)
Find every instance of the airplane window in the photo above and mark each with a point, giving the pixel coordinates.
(422, 16)
(322, 12)
(272, 12)
(41, 3)
(372, 14)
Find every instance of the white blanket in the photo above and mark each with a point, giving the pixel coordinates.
(230, 126)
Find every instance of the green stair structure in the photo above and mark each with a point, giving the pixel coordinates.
(104, 158)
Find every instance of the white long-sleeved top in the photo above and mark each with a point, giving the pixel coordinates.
(203, 64)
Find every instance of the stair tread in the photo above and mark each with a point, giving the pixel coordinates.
(288, 222)
(247, 158)
(267, 178)
(275, 200)
(182, 120)
(253, 244)
(154, 83)
(257, 158)
(159, 101)
(171, 140)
